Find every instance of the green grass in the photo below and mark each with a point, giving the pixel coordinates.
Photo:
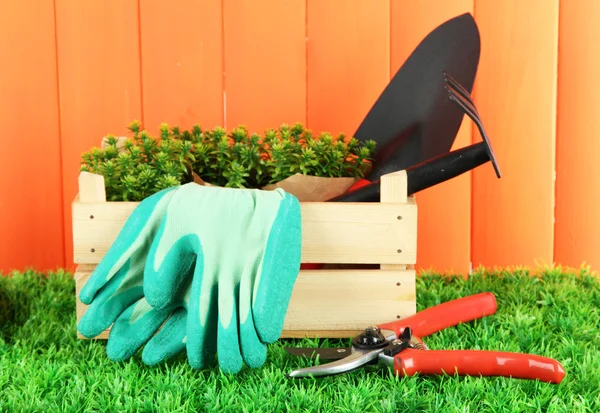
(43, 367)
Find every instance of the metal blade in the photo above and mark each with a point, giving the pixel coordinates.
(353, 361)
(322, 353)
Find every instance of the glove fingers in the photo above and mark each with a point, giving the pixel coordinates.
(139, 226)
(169, 262)
(134, 327)
(279, 270)
(119, 293)
(169, 341)
(254, 352)
(201, 342)
(228, 340)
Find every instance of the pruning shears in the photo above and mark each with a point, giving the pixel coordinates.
(398, 345)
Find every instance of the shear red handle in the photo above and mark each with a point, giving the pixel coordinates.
(478, 363)
(445, 315)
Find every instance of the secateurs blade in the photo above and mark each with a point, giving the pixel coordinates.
(398, 345)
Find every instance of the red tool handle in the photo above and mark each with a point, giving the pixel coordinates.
(478, 363)
(359, 184)
(445, 315)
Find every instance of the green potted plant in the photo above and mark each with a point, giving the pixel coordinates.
(312, 167)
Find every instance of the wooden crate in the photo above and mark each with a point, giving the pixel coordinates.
(378, 241)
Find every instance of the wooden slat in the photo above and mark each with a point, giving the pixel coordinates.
(99, 79)
(31, 207)
(577, 228)
(515, 92)
(331, 232)
(444, 229)
(348, 49)
(326, 303)
(91, 188)
(394, 187)
(265, 63)
(350, 300)
(182, 68)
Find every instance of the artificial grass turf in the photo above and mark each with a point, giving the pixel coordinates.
(44, 367)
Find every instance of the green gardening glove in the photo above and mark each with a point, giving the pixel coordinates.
(140, 324)
(116, 285)
(244, 246)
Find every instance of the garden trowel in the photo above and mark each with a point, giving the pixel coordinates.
(413, 120)
(439, 168)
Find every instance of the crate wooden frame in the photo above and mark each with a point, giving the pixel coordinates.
(375, 243)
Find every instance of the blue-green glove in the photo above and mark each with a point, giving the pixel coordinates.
(244, 246)
(139, 323)
(115, 287)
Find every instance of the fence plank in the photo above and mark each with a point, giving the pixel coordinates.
(577, 184)
(265, 63)
(444, 236)
(30, 182)
(348, 61)
(516, 95)
(99, 80)
(182, 70)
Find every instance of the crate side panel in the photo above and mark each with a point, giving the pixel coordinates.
(349, 233)
(329, 303)
(350, 300)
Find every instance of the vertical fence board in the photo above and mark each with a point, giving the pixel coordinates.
(515, 92)
(577, 236)
(182, 63)
(444, 225)
(348, 61)
(265, 63)
(30, 179)
(99, 80)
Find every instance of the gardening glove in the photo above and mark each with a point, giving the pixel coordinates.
(117, 281)
(244, 246)
(139, 323)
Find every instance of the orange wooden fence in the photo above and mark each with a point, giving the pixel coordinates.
(73, 71)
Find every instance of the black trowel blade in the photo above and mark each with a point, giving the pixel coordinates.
(416, 95)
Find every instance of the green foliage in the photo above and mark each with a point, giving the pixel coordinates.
(45, 368)
(143, 165)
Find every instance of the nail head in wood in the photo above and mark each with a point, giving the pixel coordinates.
(93, 250)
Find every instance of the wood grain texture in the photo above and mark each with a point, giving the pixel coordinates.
(182, 63)
(265, 63)
(91, 188)
(331, 232)
(577, 235)
(99, 80)
(515, 93)
(31, 210)
(348, 63)
(326, 303)
(444, 236)
(394, 189)
(345, 299)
